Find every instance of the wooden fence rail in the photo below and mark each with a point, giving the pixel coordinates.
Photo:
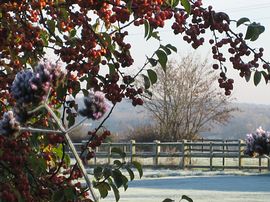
(208, 154)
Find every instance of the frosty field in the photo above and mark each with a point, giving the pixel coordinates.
(220, 186)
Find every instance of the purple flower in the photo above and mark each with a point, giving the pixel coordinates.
(95, 105)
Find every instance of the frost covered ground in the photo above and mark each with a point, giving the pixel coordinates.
(201, 186)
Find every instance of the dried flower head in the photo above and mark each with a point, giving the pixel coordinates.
(9, 125)
(258, 143)
(95, 105)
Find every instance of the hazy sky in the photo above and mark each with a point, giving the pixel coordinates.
(258, 11)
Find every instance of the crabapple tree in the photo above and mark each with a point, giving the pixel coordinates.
(87, 37)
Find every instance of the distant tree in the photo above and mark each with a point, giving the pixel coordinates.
(185, 100)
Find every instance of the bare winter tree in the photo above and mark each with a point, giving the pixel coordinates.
(185, 100)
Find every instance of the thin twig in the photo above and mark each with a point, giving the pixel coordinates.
(76, 125)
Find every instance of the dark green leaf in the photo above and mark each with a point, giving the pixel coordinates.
(186, 198)
(125, 182)
(107, 172)
(51, 25)
(173, 48)
(152, 76)
(58, 196)
(64, 13)
(117, 177)
(118, 151)
(117, 163)
(70, 194)
(67, 159)
(265, 76)
(175, 3)
(71, 119)
(147, 83)
(153, 61)
(258, 31)
(146, 28)
(111, 68)
(98, 173)
(116, 192)
(186, 5)
(168, 200)
(166, 49)
(150, 32)
(162, 59)
(85, 92)
(247, 77)
(138, 166)
(257, 77)
(155, 35)
(131, 173)
(72, 33)
(241, 21)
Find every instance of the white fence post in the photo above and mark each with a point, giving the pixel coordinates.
(156, 151)
(132, 149)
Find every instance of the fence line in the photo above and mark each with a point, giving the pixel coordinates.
(208, 154)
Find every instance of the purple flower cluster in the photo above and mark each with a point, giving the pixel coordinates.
(8, 124)
(258, 143)
(31, 87)
(95, 105)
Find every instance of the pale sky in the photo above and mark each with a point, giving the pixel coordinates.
(258, 11)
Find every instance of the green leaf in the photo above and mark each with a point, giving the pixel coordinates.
(138, 166)
(146, 28)
(118, 151)
(67, 159)
(70, 194)
(257, 77)
(247, 77)
(147, 83)
(173, 48)
(166, 49)
(58, 151)
(130, 172)
(58, 196)
(176, 2)
(72, 33)
(64, 14)
(153, 61)
(70, 119)
(117, 163)
(253, 31)
(186, 5)
(98, 172)
(241, 21)
(186, 198)
(152, 76)
(117, 177)
(111, 68)
(162, 59)
(103, 189)
(116, 192)
(125, 182)
(265, 76)
(51, 25)
(168, 200)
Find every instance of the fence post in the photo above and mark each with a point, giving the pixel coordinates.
(260, 164)
(109, 153)
(132, 149)
(223, 155)
(183, 150)
(240, 154)
(156, 151)
(211, 156)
